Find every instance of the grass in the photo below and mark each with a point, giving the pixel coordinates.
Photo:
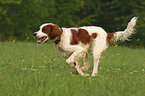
(29, 69)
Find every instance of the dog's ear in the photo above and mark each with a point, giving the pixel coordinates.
(55, 31)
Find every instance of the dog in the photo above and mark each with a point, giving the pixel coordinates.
(76, 43)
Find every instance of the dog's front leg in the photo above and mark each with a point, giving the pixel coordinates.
(77, 66)
(86, 65)
(79, 70)
(74, 60)
(76, 55)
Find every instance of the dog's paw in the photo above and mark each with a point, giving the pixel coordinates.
(93, 75)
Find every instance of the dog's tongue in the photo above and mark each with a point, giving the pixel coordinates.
(41, 40)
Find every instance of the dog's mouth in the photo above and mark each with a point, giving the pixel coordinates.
(42, 40)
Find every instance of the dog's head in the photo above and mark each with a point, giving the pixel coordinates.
(47, 31)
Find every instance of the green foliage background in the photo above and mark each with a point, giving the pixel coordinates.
(20, 18)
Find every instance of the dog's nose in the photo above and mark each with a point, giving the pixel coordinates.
(34, 34)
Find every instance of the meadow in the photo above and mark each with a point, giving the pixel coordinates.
(30, 69)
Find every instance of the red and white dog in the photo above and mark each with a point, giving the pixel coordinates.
(75, 43)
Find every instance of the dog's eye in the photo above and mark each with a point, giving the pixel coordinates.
(44, 29)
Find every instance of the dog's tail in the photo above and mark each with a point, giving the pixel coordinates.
(123, 35)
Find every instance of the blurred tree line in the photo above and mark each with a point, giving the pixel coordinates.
(20, 18)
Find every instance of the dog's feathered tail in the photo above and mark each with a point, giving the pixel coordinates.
(124, 35)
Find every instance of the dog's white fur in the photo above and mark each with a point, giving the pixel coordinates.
(97, 45)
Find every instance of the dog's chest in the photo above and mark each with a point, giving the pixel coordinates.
(64, 45)
(62, 51)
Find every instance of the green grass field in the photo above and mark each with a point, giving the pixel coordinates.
(29, 69)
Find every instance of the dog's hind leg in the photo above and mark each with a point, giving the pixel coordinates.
(98, 48)
(96, 63)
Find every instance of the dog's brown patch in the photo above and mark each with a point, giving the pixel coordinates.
(94, 35)
(75, 39)
(80, 36)
(46, 29)
(109, 37)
